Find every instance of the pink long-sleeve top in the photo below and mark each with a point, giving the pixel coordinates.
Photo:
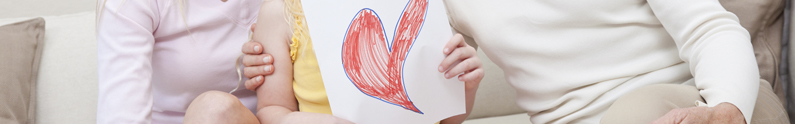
(154, 59)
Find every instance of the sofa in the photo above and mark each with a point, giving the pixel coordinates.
(66, 90)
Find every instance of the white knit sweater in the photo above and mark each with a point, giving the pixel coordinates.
(569, 60)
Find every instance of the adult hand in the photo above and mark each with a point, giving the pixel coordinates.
(257, 64)
(723, 113)
(461, 60)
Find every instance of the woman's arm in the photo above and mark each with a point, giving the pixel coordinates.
(276, 100)
(124, 66)
(717, 48)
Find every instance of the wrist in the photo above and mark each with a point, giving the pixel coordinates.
(724, 113)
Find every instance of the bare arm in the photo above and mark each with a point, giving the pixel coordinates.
(273, 33)
(276, 100)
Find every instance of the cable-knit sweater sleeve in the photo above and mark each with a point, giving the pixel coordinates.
(717, 49)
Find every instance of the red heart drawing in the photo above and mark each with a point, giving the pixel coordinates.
(375, 69)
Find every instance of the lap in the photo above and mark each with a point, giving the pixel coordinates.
(646, 104)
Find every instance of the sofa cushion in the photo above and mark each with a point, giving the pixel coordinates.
(20, 51)
(68, 75)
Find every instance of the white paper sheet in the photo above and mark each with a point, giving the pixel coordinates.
(434, 97)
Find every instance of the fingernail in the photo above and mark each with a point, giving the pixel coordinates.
(266, 59)
(257, 48)
(460, 78)
(447, 76)
(267, 68)
(446, 50)
(441, 69)
(259, 79)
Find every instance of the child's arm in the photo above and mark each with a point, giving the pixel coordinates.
(276, 101)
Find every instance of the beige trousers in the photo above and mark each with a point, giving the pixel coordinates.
(646, 104)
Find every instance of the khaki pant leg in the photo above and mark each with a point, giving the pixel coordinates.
(768, 109)
(646, 104)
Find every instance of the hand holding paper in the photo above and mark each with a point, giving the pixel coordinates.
(462, 59)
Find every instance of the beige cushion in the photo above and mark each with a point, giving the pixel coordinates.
(67, 80)
(20, 50)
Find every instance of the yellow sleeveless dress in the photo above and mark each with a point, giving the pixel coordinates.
(307, 82)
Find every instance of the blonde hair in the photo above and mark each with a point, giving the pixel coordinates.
(294, 15)
(292, 11)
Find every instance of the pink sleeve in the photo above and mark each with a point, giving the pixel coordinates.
(124, 60)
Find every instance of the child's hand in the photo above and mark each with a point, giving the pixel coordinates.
(257, 64)
(468, 65)
(462, 61)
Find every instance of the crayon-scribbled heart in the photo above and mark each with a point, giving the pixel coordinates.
(371, 65)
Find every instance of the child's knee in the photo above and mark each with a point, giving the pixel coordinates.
(215, 102)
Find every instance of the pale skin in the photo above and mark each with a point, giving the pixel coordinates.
(268, 58)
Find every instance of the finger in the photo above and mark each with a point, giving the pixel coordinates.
(251, 72)
(253, 26)
(257, 60)
(449, 60)
(464, 66)
(254, 83)
(455, 42)
(472, 78)
(252, 48)
(456, 56)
